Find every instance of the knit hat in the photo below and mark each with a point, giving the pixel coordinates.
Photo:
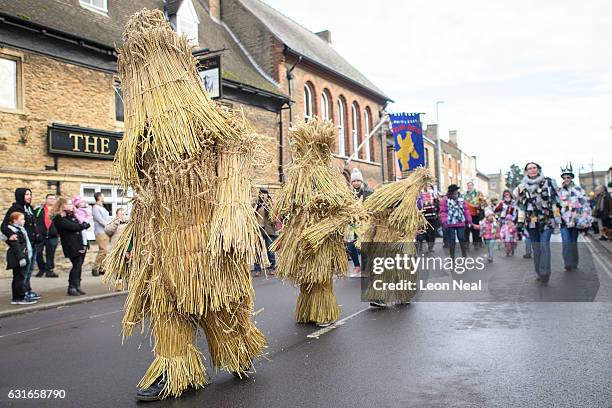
(76, 200)
(356, 175)
(509, 217)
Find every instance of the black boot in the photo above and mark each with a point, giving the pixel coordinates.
(39, 274)
(153, 393)
(72, 291)
(81, 291)
(95, 272)
(52, 275)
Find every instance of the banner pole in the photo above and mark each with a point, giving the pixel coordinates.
(356, 152)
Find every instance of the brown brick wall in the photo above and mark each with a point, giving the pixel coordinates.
(54, 92)
(320, 82)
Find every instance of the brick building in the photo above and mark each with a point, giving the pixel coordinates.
(317, 78)
(60, 99)
(61, 112)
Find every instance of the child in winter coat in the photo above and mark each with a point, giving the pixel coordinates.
(489, 229)
(17, 258)
(82, 212)
(509, 234)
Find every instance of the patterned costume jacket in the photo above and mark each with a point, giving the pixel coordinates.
(575, 209)
(539, 208)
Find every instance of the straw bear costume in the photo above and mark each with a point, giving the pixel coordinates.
(192, 235)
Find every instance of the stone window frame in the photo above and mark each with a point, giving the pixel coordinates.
(309, 105)
(88, 4)
(367, 122)
(326, 106)
(18, 57)
(356, 137)
(341, 104)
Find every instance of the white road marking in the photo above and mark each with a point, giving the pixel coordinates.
(600, 259)
(19, 332)
(322, 331)
(105, 314)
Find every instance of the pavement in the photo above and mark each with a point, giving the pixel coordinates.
(520, 352)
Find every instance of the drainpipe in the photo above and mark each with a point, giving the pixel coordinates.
(281, 174)
(289, 78)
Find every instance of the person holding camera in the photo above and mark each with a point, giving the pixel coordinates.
(267, 228)
(70, 232)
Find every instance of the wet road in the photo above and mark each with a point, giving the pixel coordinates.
(519, 352)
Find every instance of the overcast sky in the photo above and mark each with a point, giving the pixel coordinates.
(521, 80)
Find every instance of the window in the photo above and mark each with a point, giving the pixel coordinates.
(341, 127)
(369, 146)
(355, 128)
(307, 102)
(426, 157)
(187, 22)
(10, 83)
(114, 198)
(95, 5)
(325, 108)
(118, 102)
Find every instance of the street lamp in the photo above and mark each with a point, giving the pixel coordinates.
(439, 147)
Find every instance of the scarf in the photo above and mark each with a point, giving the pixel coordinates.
(531, 184)
(47, 218)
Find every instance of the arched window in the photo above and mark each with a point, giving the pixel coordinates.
(341, 127)
(369, 146)
(308, 108)
(355, 128)
(325, 106)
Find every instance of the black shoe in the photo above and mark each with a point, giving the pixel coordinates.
(40, 274)
(527, 256)
(378, 304)
(602, 238)
(73, 292)
(81, 291)
(95, 272)
(544, 278)
(153, 392)
(33, 295)
(52, 275)
(569, 268)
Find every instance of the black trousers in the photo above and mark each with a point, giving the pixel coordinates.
(46, 261)
(74, 278)
(475, 232)
(429, 235)
(17, 286)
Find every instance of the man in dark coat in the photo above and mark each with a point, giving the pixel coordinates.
(23, 204)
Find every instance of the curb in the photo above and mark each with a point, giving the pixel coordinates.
(60, 303)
